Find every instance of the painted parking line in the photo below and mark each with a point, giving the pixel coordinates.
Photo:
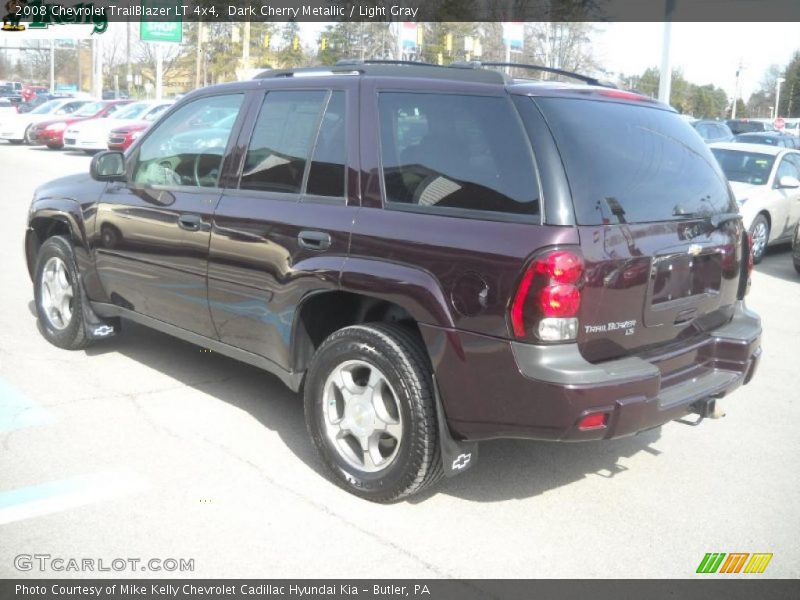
(58, 496)
(18, 412)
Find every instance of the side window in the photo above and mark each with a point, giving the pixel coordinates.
(326, 176)
(704, 132)
(787, 167)
(456, 152)
(178, 152)
(281, 142)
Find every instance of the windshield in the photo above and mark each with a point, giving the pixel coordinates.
(89, 110)
(745, 167)
(132, 111)
(46, 108)
(634, 164)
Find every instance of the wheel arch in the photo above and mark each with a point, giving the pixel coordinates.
(322, 313)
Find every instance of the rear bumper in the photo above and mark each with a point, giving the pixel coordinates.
(494, 389)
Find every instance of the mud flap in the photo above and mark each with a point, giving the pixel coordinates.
(457, 456)
(96, 328)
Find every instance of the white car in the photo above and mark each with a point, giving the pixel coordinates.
(766, 183)
(14, 126)
(92, 135)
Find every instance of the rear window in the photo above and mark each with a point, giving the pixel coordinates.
(634, 164)
(745, 167)
(449, 153)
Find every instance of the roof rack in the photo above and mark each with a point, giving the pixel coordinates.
(391, 68)
(475, 64)
(381, 61)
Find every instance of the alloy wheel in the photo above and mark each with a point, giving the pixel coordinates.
(362, 417)
(57, 293)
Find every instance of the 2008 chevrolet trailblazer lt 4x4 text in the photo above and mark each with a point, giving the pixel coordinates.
(433, 255)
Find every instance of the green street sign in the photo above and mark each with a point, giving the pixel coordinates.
(161, 31)
(157, 30)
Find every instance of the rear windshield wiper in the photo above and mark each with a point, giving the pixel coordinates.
(717, 220)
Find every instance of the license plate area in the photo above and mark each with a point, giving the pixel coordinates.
(682, 287)
(681, 276)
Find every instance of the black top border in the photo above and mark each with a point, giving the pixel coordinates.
(608, 11)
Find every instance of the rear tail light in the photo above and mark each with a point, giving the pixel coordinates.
(545, 306)
(749, 254)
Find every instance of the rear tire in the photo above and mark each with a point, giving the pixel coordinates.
(759, 230)
(370, 412)
(28, 139)
(59, 296)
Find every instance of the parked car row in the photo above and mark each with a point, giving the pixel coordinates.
(81, 124)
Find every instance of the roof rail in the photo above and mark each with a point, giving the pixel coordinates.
(474, 64)
(381, 61)
(391, 68)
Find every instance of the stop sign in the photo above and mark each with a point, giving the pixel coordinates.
(779, 123)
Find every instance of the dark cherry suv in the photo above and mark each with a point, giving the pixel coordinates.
(433, 255)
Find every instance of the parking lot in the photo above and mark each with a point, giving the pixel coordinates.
(146, 446)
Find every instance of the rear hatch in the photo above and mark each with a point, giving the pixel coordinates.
(663, 253)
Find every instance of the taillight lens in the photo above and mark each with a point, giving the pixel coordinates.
(749, 254)
(548, 297)
(559, 300)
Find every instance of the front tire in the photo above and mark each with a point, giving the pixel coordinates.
(58, 295)
(759, 230)
(370, 412)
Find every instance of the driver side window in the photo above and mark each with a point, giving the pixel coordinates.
(187, 148)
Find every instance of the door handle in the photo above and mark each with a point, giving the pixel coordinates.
(314, 240)
(193, 223)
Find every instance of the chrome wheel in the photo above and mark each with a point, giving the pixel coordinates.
(362, 417)
(56, 293)
(760, 237)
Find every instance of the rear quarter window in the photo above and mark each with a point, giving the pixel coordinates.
(450, 153)
(634, 164)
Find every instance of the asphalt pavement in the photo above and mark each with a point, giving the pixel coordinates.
(147, 447)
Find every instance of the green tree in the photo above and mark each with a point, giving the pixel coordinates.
(790, 89)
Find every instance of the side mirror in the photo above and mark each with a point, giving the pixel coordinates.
(787, 181)
(108, 166)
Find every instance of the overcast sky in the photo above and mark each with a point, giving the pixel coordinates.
(707, 52)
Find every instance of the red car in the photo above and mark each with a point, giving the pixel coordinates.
(51, 133)
(121, 138)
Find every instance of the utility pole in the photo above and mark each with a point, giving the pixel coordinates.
(736, 91)
(198, 58)
(159, 70)
(778, 83)
(665, 78)
(246, 45)
(97, 78)
(128, 71)
(53, 65)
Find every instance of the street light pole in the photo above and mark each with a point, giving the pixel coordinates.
(665, 77)
(778, 83)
